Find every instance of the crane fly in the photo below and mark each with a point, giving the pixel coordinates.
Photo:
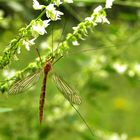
(47, 68)
(69, 93)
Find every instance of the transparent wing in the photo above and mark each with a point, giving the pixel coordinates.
(69, 93)
(22, 85)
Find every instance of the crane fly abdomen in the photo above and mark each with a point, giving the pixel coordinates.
(42, 98)
(47, 68)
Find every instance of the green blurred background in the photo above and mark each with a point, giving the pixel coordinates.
(107, 78)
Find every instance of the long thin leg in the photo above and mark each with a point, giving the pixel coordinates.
(38, 54)
(83, 120)
(52, 42)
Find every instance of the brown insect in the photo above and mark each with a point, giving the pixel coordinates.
(22, 85)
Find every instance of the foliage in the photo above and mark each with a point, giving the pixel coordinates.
(106, 77)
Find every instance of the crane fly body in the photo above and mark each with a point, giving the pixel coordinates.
(68, 92)
(47, 68)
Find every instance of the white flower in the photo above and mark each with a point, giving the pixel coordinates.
(39, 27)
(68, 1)
(9, 73)
(37, 6)
(102, 19)
(75, 43)
(18, 50)
(98, 9)
(120, 68)
(105, 20)
(52, 13)
(99, 19)
(89, 19)
(28, 43)
(46, 23)
(31, 42)
(50, 7)
(109, 3)
(57, 15)
(57, 2)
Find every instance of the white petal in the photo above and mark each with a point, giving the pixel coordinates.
(98, 9)
(39, 29)
(50, 7)
(89, 19)
(32, 41)
(105, 20)
(52, 13)
(75, 43)
(46, 23)
(19, 50)
(58, 2)
(99, 19)
(42, 31)
(36, 5)
(27, 47)
(26, 44)
(109, 3)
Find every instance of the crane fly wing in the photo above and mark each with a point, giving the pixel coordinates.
(69, 93)
(22, 85)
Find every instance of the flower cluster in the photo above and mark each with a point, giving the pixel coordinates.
(109, 3)
(81, 31)
(31, 32)
(50, 10)
(38, 27)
